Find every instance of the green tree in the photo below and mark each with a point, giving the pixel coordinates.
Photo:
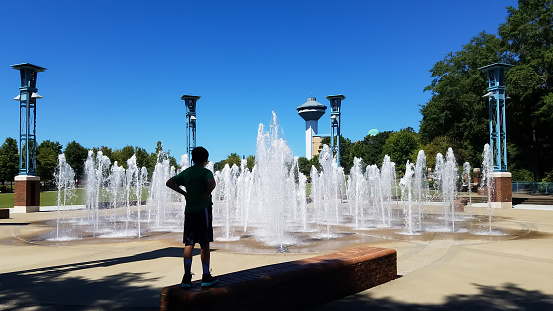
(401, 146)
(346, 158)
(440, 144)
(47, 160)
(154, 158)
(141, 157)
(304, 165)
(121, 156)
(528, 38)
(9, 161)
(371, 153)
(250, 162)
(456, 108)
(107, 151)
(232, 159)
(76, 155)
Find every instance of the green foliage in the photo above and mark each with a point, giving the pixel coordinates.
(528, 37)
(232, 159)
(250, 162)
(522, 175)
(374, 146)
(121, 156)
(141, 157)
(346, 157)
(76, 155)
(9, 160)
(304, 166)
(457, 110)
(400, 146)
(315, 163)
(47, 160)
(548, 177)
(441, 144)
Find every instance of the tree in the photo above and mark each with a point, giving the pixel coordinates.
(528, 38)
(346, 159)
(76, 155)
(304, 165)
(232, 159)
(371, 153)
(456, 108)
(121, 156)
(401, 146)
(250, 162)
(141, 157)
(9, 161)
(440, 144)
(154, 158)
(47, 160)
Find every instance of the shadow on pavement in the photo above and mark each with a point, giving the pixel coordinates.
(55, 288)
(505, 297)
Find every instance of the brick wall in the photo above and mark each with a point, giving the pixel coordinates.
(503, 190)
(27, 193)
(294, 285)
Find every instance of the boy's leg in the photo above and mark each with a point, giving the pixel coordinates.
(187, 256)
(207, 279)
(188, 249)
(205, 257)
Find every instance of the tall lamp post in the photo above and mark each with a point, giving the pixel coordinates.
(335, 106)
(190, 103)
(27, 184)
(501, 192)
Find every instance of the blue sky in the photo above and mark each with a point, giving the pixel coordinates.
(117, 69)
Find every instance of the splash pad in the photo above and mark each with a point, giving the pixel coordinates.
(269, 206)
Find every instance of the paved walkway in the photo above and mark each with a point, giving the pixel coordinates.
(509, 273)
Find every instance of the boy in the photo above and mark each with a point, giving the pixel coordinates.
(199, 184)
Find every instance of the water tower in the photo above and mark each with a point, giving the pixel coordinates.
(190, 103)
(311, 111)
(27, 184)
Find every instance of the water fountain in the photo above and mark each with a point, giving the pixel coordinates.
(467, 182)
(268, 204)
(65, 180)
(487, 169)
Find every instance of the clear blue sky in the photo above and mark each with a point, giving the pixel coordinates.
(117, 69)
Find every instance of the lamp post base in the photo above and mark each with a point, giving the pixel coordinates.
(501, 195)
(27, 194)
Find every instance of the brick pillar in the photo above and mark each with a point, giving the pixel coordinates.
(27, 194)
(501, 195)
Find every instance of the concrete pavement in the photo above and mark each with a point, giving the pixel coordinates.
(441, 271)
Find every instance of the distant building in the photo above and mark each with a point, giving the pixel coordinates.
(311, 111)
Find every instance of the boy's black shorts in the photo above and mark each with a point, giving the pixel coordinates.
(198, 227)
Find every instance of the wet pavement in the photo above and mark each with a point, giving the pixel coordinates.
(506, 267)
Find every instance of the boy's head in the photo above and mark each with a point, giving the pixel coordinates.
(199, 155)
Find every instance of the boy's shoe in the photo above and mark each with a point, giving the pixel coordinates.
(186, 281)
(208, 280)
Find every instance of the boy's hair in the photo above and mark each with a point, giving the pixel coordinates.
(199, 155)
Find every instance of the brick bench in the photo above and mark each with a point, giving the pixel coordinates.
(294, 285)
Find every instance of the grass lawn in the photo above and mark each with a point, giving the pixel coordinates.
(50, 198)
(6, 200)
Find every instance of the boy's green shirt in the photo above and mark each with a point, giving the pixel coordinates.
(194, 179)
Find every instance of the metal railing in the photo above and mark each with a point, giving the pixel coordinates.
(532, 187)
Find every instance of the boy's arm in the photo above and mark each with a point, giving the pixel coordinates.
(171, 184)
(210, 186)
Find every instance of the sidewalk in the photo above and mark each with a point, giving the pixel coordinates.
(511, 273)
